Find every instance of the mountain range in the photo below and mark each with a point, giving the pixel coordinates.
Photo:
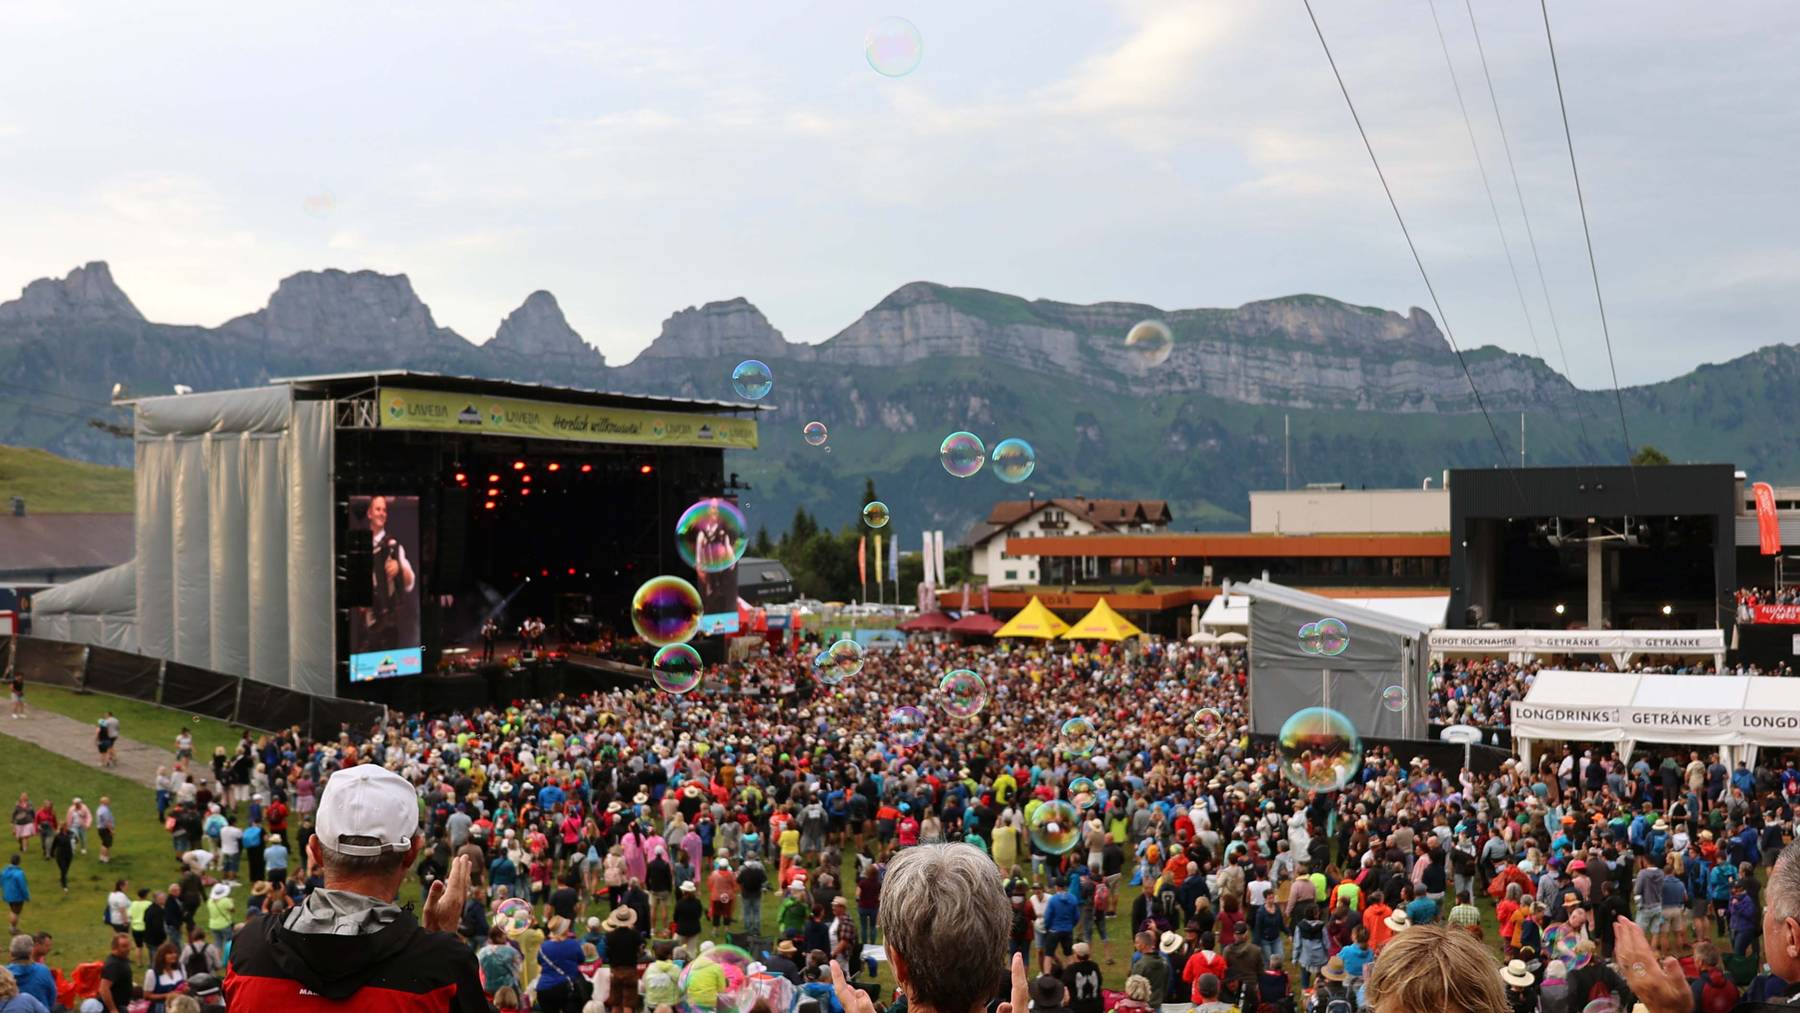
(1370, 396)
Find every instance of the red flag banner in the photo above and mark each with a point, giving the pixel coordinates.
(1768, 528)
(1783, 614)
(862, 559)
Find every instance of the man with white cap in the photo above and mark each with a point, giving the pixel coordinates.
(349, 937)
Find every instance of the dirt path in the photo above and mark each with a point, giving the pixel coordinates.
(68, 737)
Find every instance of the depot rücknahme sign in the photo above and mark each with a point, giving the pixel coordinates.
(444, 411)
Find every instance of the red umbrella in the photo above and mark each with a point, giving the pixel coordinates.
(930, 622)
(977, 623)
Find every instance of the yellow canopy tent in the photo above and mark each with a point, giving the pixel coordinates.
(1034, 620)
(1102, 623)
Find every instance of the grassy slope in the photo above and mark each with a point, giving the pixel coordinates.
(139, 721)
(52, 484)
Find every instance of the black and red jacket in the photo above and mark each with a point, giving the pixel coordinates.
(401, 968)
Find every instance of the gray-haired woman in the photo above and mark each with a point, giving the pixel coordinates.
(946, 922)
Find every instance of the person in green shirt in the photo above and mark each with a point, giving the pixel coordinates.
(705, 980)
(1004, 786)
(791, 916)
(662, 979)
(221, 911)
(134, 914)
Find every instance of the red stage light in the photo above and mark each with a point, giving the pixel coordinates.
(490, 504)
(461, 478)
(644, 469)
(493, 478)
(492, 493)
(586, 468)
(553, 466)
(518, 465)
(524, 478)
(524, 492)
(571, 571)
(543, 573)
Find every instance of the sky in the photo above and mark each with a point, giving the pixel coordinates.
(635, 159)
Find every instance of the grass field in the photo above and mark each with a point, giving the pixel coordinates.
(56, 485)
(138, 721)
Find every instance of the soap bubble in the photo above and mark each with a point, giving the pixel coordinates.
(1209, 721)
(676, 669)
(739, 992)
(1077, 738)
(319, 205)
(842, 660)
(1083, 792)
(814, 433)
(666, 610)
(962, 454)
(1394, 698)
(875, 514)
(1320, 750)
(1014, 460)
(1055, 826)
(964, 693)
(752, 380)
(513, 914)
(1150, 342)
(1604, 1004)
(906, 726)
(1326, 637)
(710, 535)
(894, 47)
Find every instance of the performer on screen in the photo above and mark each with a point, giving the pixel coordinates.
(490, 632)
(394, 578)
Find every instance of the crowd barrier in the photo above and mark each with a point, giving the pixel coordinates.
(87, 669)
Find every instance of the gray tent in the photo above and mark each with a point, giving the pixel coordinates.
(99, 609)
(1288, 673)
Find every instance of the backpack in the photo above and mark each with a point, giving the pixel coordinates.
(1167, 904)
(1103, 897)
(1717, 993)
(1338, 1004)
(193, 960)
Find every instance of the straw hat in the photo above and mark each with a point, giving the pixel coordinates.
(1334, 969)
(220, 891)
(621, 918)
(1515, 973)
(1170, 942)
(688, 887)
(1398, 921)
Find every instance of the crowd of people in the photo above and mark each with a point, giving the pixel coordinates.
(619, 850)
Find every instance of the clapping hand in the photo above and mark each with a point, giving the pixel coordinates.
(444, 901)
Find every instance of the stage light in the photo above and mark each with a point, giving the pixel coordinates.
(518, 465)
(490, 504)
(461, 479)
(571, 571)
(1560, 608)
(524, 478)
(543, 573)
(553, 466)
(524, 492)
(1668, 610)
(492, 493)
(493, 478)
(644, 469)
(586, 468)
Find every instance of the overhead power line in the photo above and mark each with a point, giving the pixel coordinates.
(1593, 268)
(1418, 261)
(1512, 170)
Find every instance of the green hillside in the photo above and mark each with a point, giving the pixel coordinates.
(57, 485)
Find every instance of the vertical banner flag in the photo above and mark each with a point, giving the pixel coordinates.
(862, 560)
(1767, 526)
(928, 581)
(965, 605)
(984, 599)
(938, 555)
(878, 562)
(893, 570)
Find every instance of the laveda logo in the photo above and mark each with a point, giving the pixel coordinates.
(397, 406)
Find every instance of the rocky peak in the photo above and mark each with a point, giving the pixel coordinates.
(1317, 320)
(359, 312)
(88, 293)
(720, 329)
(538, 329)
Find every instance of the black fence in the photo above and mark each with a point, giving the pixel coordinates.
(185, 688)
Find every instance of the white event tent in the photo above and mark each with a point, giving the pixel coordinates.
(1232, 611)
(1618, 645)
(1732, 713)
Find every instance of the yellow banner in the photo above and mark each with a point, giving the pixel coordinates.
(445, 411)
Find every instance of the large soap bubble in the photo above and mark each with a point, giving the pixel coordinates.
(676, 669)
(710, 535)
(1320, 750)
(1013, 460)
(962, 454)
(1054, 826)
(1150, 343)
(666, 610)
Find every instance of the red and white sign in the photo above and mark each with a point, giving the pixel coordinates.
(1775, 614)
(1768, 528)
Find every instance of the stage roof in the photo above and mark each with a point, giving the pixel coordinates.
(345, 384)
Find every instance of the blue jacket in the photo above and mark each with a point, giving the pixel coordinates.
(12, 885)
(36, 981)
(825, 994)
(1062, 914)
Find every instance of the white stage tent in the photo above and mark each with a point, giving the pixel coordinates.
(1232, 611)
(1733, 713)
(1618, 645)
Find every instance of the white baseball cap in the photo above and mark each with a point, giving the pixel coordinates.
(374, 808)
